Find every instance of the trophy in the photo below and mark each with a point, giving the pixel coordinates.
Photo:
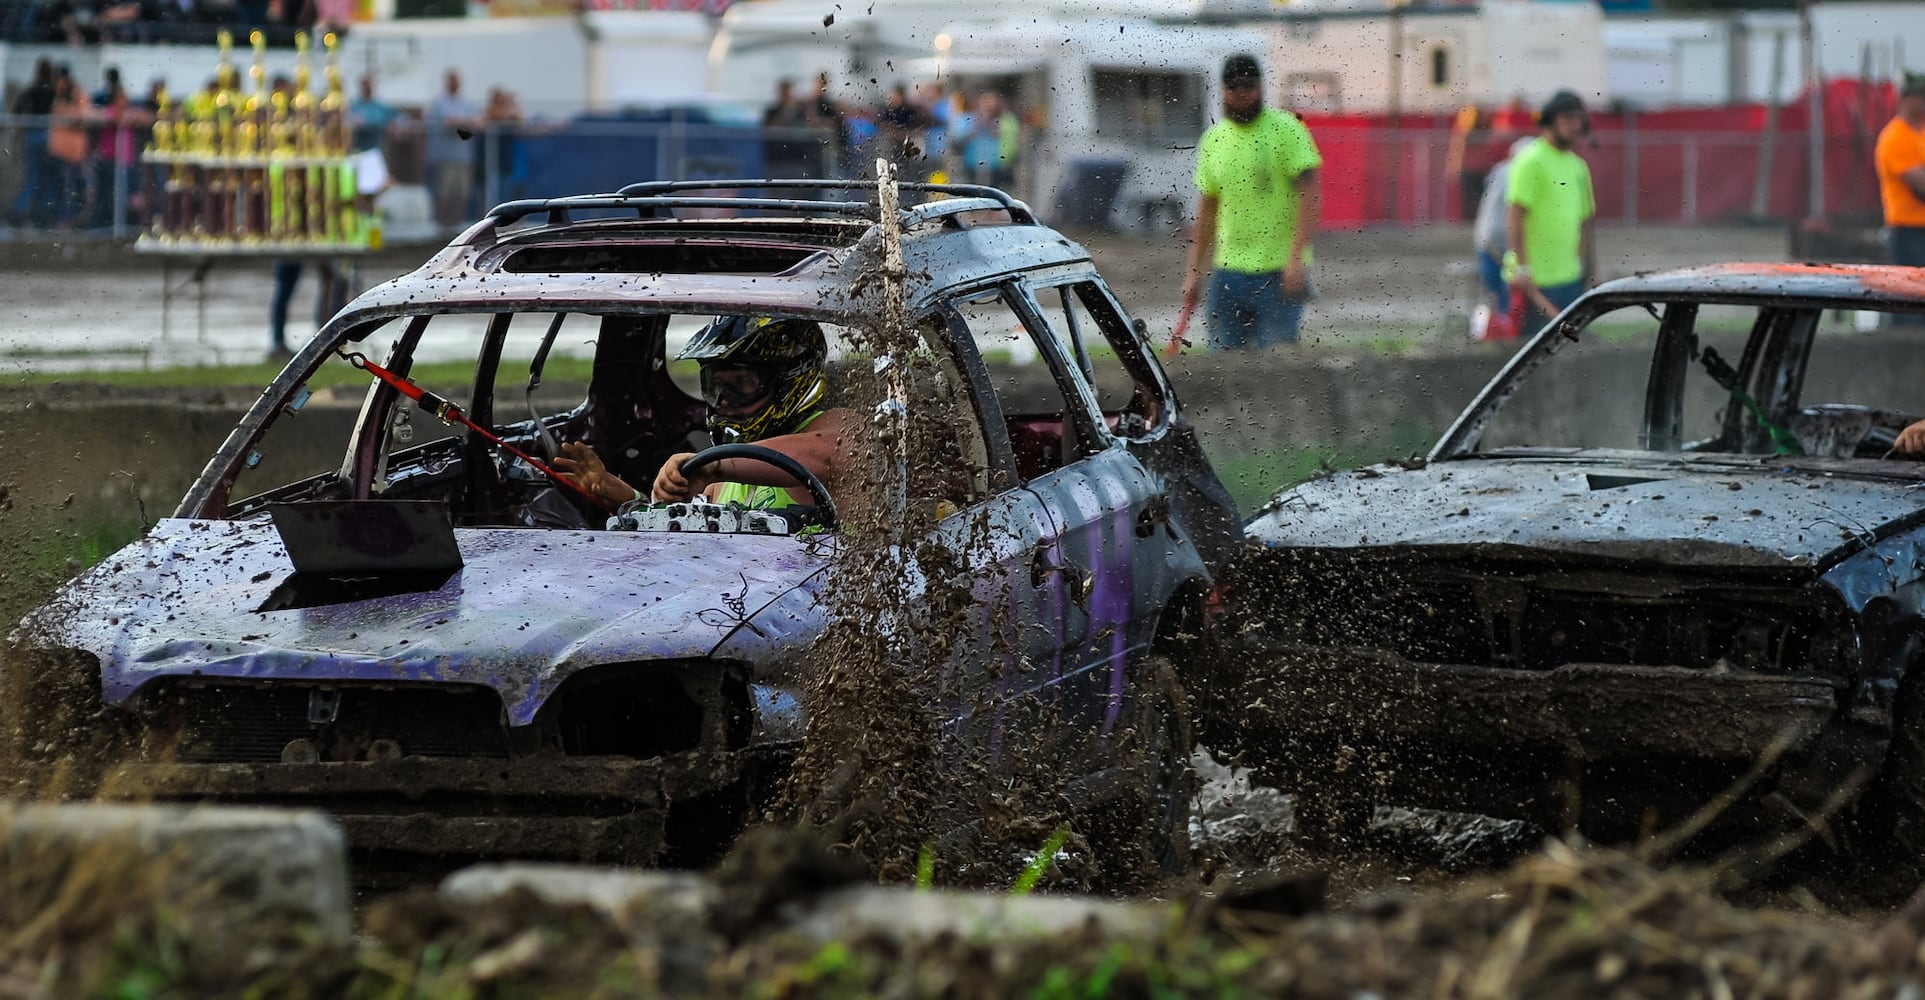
(281, 186)
(251, 145)
(333, 126)
(160, 147)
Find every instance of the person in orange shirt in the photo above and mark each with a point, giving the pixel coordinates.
(1901, 174)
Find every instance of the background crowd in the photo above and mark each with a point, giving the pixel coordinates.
(89, 22)
(80, 143)
(934, 133)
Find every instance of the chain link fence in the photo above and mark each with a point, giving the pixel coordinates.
(85, 175)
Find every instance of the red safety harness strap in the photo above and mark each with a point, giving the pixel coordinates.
(448, 413)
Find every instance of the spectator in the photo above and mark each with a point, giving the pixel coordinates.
(369, 121)
(824, 112)
(67, 147)
(503, 118)
(788, 152)
(117, 147)
(1900, 162)
(1257, 172)
(902, 124)
(990, 138)
(1457, 154)
(1553, 249)
(452, 121)
(31, 207)
(938, 110)
(1491, 243)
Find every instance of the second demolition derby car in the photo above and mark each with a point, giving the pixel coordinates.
(1666, 552)
(423, 632)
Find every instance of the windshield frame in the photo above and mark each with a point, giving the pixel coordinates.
(1778, 349)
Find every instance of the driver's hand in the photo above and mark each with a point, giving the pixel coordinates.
(1911, 441)
(671, 486)
(581, 465)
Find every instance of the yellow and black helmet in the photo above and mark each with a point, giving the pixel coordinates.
(761, 377)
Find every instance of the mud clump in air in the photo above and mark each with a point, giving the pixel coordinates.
(879, 775)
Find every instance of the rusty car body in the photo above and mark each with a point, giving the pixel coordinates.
(1630, 576)
(632, 695)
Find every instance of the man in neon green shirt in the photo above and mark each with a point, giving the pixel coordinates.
(1257, 174)
(763, 380)
(1553, 255)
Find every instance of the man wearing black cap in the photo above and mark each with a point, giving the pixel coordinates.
(1901, 175)
(1553, 255)
(1257, 172)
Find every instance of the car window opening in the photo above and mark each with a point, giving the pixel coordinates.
(1130, 397)
(1773, 380)
(664, 257)
(1043, 432)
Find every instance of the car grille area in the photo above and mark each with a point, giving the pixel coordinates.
(236, 723)
(1546, 616)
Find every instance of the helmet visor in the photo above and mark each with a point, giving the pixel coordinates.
(738, 389)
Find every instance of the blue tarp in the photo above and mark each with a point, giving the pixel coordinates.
(602, 152)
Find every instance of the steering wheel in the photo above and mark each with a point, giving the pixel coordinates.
(825, 508)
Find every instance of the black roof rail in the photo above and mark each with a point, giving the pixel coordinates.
(558, 209)
(649, 198)
(807, 184)
(1016, 209)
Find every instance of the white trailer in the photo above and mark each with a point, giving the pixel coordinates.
(1135, 93)
(1713, 59)
(757, 44)
(1433, 59)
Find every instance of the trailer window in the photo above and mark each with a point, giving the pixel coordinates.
(1147, 109)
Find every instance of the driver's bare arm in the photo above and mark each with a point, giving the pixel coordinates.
(822, 449)
(1911, 441)
(580, 464)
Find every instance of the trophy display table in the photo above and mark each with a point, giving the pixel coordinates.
(198, 257)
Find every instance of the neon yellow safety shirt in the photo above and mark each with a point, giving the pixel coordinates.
(1252, 171)
(762, 497)
(1554, 187)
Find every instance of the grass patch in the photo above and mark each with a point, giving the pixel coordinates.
(1253, 478)
(47, 558)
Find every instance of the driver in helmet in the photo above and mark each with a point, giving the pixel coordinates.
(763, 381)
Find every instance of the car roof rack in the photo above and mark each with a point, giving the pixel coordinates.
(652, 197)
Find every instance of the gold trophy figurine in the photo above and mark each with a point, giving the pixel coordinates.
(307, 134)
(223, 182)
(162, 139)
(282, 182)
(203, 143)
(333, 123)
(181, 196)
(160, 149)
(252, 143)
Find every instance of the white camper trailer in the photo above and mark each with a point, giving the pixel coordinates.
(1340, 59)
(760, 43)
(1129, 97)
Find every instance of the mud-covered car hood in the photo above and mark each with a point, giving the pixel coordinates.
(529, 608)
(1787, 515)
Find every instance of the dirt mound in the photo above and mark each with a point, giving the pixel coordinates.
(1566, 922)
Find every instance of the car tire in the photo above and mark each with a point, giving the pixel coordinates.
(1144, 834)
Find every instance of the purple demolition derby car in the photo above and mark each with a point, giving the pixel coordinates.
(358, 608)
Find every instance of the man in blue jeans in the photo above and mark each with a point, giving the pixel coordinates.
(1553, 255)
(1257, 173)
(330, 299)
